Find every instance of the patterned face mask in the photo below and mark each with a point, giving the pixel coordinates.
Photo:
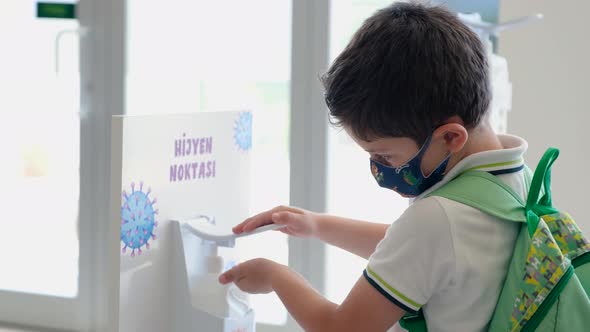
(408, 179)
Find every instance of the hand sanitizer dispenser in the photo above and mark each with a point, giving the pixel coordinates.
(200, 302)
(209, 295)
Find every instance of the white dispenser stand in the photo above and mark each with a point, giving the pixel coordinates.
(187, 163)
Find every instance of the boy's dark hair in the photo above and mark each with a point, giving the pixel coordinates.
(408, 68)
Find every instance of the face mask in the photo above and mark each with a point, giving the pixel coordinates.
(408, 179)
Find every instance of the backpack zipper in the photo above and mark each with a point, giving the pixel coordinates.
(540, 314)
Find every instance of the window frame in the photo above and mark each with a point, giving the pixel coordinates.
(309, 133)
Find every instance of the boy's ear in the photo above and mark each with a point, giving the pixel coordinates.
(454, 136)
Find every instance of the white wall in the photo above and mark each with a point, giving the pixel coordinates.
(549, 63)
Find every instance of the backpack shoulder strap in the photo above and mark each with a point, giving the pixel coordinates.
(485, 192)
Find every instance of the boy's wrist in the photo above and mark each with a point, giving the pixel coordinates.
(316, 220)
(279, 272)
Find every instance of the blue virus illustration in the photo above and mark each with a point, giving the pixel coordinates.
(138, 219)
(243, 131)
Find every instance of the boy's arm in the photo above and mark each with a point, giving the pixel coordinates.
(414, 260)
(364, 309)
(358, 237)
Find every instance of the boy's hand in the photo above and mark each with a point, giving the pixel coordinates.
(298, 222)
(254, 276)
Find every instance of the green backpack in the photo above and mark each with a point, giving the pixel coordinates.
(547, 287)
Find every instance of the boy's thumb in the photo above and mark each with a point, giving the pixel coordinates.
(226, 277)
(230, 275)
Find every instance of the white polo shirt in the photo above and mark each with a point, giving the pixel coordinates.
(448, 258)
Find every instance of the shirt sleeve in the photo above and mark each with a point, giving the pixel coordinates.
(416, 258)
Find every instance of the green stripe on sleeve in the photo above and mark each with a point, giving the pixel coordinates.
(393, 290)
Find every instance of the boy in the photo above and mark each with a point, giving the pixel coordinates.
(411, 88)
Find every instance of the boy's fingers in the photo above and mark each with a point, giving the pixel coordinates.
(225, 278)
(255, 223)
(239, 227)
(258, 220)
(265, 218)
(251, 223)
(229, 276)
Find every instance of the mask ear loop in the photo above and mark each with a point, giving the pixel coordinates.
(418, 154)
(422, 150)
(443, 162)
(421, 153)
